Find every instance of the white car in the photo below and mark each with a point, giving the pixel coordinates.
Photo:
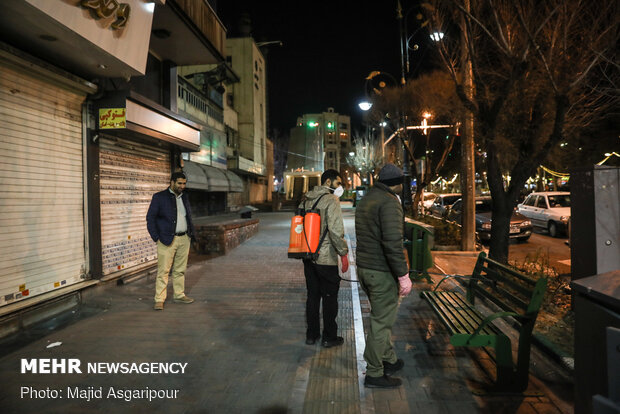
(549, 210)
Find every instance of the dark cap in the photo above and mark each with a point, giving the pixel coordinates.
(390, 175)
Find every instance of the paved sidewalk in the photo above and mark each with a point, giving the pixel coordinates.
(243, 342)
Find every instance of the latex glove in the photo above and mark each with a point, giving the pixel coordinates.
(344, 261)
(404, 283)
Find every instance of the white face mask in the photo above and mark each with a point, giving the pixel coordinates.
(339, 191)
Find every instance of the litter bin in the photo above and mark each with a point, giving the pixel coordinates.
(419, 240)
(597, 308)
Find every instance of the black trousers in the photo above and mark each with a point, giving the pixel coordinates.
(322, 282)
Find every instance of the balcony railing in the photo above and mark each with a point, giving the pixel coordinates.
(191, 95)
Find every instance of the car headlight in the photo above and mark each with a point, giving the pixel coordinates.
(564, 218)
(486, 226)
(526, 223)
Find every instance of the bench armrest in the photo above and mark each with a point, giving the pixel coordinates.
(491, 318)
(449, 277)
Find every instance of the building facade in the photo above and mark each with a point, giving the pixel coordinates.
(89, 101)
(318, 142)
(245, 110)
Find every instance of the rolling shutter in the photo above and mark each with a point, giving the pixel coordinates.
(130, 173)
(42, 241)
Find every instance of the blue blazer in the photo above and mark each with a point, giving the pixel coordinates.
(161, 219)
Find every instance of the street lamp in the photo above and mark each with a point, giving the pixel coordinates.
(436, 36)
(365, 105)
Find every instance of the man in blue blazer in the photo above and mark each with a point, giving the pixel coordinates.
(169, 222)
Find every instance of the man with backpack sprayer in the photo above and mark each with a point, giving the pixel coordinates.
(322, 278)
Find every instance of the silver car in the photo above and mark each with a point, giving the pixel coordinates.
(442, 204)
(549, 210)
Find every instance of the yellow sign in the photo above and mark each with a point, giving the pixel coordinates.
(112, 118)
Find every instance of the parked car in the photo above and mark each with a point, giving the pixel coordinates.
(520, 226)
(442, 204)
(360, 192)
(549, 210)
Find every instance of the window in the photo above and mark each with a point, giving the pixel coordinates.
(530, 201)
(541, 203)
(559, 200)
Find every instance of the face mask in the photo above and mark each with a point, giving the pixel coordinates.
(339, 191)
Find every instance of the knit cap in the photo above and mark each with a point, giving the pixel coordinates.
(390, 175)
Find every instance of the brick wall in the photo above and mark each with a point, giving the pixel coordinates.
(223, 237)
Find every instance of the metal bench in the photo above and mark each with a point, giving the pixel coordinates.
(519, 299)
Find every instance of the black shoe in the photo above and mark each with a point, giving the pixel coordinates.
(337, 341)
(311, 340)
(382, 382)
(391, 369)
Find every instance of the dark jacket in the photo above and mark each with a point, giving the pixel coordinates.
(334, 244)
(161, 219)
(379, 230)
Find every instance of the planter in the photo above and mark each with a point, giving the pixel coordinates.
(447, 248)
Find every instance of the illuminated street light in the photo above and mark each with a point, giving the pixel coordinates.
(365, 105)
(436, 36)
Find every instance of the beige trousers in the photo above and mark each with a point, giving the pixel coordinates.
(175, 257)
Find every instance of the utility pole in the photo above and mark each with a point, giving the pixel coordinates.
(468, 170)
(403, 121)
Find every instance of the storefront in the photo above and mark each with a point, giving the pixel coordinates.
(138, 148)
(43, 245)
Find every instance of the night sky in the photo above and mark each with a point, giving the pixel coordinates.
(329, 49)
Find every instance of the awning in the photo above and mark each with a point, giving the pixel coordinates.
(207, 178)
(217, 178)
(236, 184)
(196, 178)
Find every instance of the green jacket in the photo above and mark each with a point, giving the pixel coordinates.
(379, 230)
(334, 244)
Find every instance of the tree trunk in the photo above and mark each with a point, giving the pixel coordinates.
(500, 230)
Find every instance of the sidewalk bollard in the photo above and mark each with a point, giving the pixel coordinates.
(418, 245)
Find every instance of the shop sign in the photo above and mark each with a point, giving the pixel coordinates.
(112, 118)
(104, 9)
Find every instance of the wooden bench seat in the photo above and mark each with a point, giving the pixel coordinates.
(519, 299)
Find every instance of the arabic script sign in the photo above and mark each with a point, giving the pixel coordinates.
(112, 118)
(105, 9)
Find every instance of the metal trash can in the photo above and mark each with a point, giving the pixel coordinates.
(597, 308)
(418, 242)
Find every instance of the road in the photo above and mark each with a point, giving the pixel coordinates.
(544, 247)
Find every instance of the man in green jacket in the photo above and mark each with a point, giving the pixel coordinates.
(383, 272)
(322, 278)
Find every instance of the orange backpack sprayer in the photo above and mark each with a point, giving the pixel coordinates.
(306, 239)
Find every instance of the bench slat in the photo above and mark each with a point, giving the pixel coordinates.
(500, 277)
(474, 313)
(456, 313)
(436, 305)
(510, 271)
(480, 291)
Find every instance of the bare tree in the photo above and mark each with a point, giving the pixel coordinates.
(540, 71)
(434, 94)
(366, 156)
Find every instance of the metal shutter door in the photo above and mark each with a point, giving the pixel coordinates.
(42, 200)
(130, 173)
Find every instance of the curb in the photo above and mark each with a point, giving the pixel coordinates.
(555, 353)
(454, 253)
